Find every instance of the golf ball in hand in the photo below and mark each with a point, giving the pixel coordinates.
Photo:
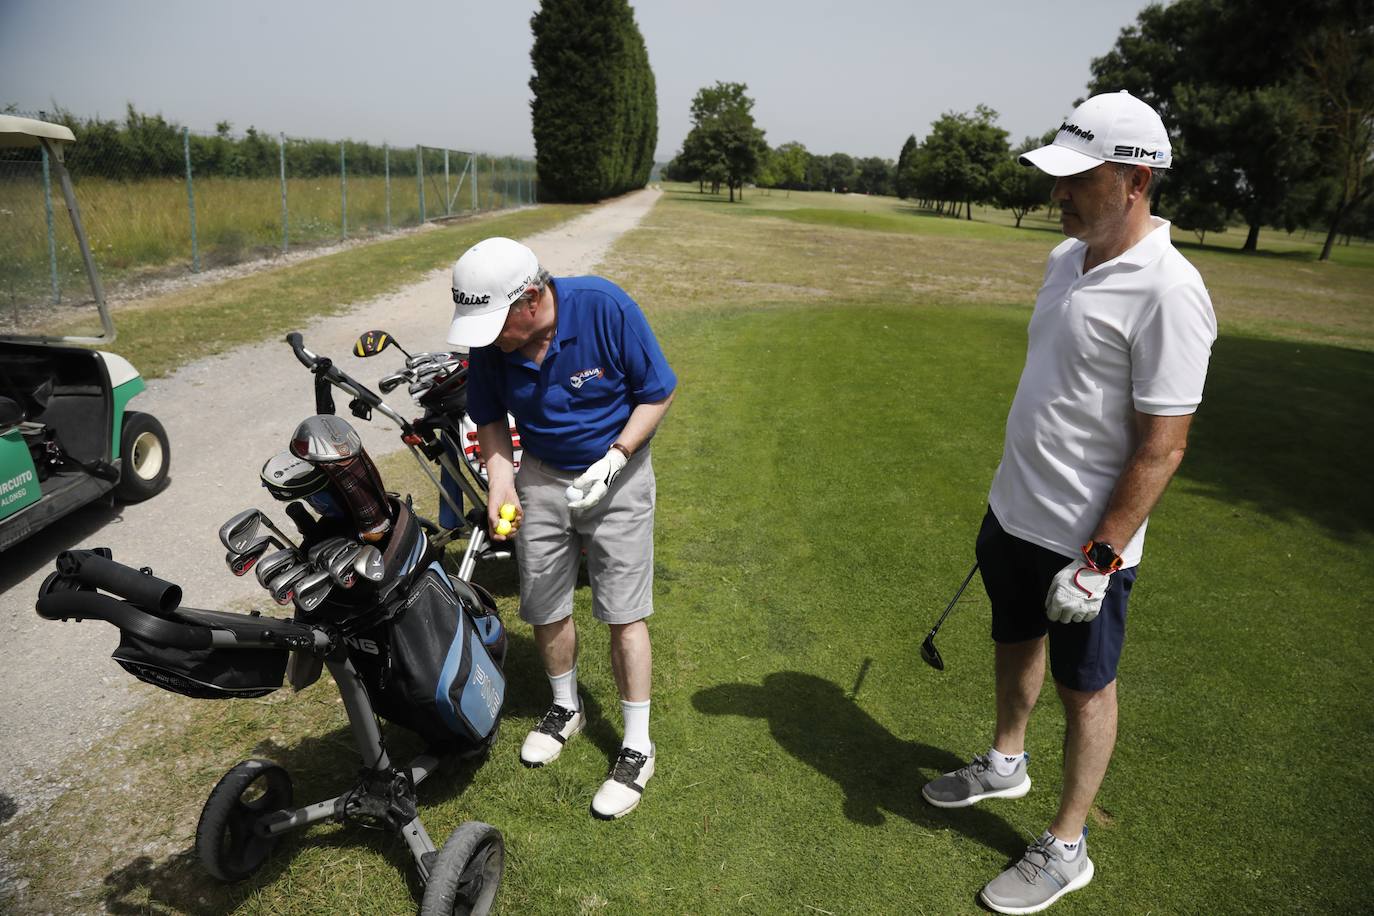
(507, 511)
(503, 527)
(573, 494)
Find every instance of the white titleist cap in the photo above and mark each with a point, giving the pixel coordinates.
(487, 280)
(1112, 127)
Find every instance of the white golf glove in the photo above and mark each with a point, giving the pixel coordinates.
(592, 484)
(1076, 594)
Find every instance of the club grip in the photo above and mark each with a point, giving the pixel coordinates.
(89, 568)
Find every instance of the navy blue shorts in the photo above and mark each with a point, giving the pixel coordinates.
(1017, 576)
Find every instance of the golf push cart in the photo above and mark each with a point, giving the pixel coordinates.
(401, 638)
(67, 435)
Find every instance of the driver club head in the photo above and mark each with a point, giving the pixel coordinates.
(931, 655)
(241, 530)
(370, 343)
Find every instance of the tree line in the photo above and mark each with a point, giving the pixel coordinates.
(150, 146)
(1270, 108)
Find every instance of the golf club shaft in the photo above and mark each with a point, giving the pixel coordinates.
(955, 600)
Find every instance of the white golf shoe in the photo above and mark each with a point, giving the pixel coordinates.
(624, 787)
(545, 741)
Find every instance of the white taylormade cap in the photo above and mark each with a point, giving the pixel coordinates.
(487, 280)
(1112, 127)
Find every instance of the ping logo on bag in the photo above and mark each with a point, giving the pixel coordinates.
(363, 645)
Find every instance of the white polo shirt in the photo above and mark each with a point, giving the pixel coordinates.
(1132, 334)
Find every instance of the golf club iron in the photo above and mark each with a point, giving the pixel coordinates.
(929, 653)
(370, 564)
(239, 563)
(283, 587)
(273, 563)
(340, 566)
(311, 590)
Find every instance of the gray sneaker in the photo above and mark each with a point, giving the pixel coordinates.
(976, 781)
(1039, 879)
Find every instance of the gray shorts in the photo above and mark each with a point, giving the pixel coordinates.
(617, 533)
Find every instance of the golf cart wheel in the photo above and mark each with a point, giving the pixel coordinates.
(146, 455)
(227, 840)
(467, 872)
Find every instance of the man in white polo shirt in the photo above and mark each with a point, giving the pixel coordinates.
(1115, 364)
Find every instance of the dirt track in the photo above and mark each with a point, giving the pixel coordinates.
(224, 417)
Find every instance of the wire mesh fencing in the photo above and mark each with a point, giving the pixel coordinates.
(158, 199)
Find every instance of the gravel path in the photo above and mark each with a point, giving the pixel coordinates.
(224, 417)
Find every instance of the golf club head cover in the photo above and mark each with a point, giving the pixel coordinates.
(1076, 593)
(592, 484)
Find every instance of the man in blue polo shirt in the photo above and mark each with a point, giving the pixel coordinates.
(574, 361)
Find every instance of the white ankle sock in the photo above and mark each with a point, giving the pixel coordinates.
(636, 716)
(1066, 851)
(1004, 764)
(565, 689)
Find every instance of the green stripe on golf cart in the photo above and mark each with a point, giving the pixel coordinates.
(18, 477)
(122, 395)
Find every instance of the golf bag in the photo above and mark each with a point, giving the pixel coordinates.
(429, 649)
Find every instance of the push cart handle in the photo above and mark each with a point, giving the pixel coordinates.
(77, 605)
(90, 568)
(326, 369)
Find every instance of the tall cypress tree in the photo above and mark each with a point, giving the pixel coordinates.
(595, 110)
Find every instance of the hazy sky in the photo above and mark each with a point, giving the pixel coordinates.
(855, 76)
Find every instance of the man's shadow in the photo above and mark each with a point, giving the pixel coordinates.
(813, 720)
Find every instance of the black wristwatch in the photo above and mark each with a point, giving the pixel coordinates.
(1102, 556)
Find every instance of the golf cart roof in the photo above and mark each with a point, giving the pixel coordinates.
(21, 132)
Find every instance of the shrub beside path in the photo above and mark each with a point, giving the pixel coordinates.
(225, 416)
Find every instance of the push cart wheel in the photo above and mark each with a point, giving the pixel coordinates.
(467, 872)
(145, 455)
(227, 840)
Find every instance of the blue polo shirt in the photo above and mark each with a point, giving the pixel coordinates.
(602, 362)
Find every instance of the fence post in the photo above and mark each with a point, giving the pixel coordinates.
(52, 235)
(420, 179)
(473, 160)
(448, 195)
(386, 167)
(191, 198)
(343, 193)
(285, 222)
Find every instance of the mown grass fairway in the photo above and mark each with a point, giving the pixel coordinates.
(821, 478)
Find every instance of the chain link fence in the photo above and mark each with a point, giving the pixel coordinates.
(158, 200)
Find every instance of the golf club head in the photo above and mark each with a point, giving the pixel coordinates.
(240, 563)
(931, 655)
(283, 586)
(311, 590)
(369, 564)
(273, 563)
(315, 554)
(325, 438)
(421, 358)
(370, 343)
(340, 566)
(241, 530)
(390, 383)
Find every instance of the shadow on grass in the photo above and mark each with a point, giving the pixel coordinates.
(1286, 428)
(816, 722)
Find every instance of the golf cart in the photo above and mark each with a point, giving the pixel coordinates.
(67, 437)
